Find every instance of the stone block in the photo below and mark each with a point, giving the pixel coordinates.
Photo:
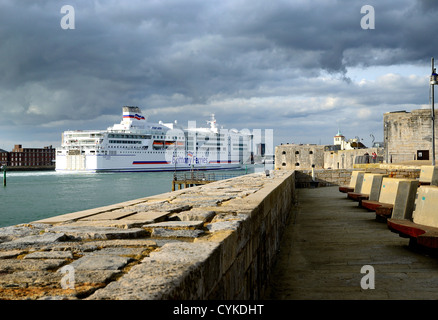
(426, 205)
(405, 199)
(100, 262)
(175, 234)
(88, 233)
(429, 175)
(357, 179)
(371, 185)
(49, 255)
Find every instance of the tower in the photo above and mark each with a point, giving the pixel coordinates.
(339, 139)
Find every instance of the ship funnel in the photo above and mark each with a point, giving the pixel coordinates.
(132, 113)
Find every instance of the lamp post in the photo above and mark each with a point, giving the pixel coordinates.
(433, 82)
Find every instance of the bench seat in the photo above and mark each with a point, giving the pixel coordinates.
(426, 236)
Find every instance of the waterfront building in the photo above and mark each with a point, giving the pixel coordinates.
(3, 157)
(29, 157)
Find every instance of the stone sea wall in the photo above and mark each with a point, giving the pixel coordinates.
(216, 241)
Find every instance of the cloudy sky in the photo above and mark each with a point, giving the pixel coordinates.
(303, 68)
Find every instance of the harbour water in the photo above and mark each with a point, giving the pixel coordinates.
(35, 195)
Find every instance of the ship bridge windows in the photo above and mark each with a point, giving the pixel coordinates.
(129, 136)
(125, 141)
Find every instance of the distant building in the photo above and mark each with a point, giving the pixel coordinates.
(28, 157)
(408, 135)
(342, 154)
(341, 143)
(3, 157)
(299, 156)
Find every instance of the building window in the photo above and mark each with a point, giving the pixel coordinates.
(297, 164)
(297, 152)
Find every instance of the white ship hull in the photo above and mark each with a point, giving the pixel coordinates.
(132, 163)
(136, 146)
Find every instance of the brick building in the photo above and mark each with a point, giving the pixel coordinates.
(3, 157)
(28, 157)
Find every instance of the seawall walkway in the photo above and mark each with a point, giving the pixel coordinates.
(327, 242)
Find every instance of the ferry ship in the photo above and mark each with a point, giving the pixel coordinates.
(135, 145)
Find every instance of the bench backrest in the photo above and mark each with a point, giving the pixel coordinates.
(388, 190)
(401, 194)
(371, 185)
(429, 174)
(426, 206)
(356, 180)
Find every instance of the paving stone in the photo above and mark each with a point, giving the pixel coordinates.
(142, 243)
(112, 215)
(195, 215)
(12, 265)
(160, 274)
(100, 262)
(169, 233)
(47, 237)
(86, 233)
(149, 217)
(176, 224)
(223, 225)
(10, 254)
(119, 251)
(49, 255)
(121, 224)
(19, 231)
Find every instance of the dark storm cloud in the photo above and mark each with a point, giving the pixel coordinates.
(192, 56)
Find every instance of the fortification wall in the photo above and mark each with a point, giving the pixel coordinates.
(341, 177)
(216, 241)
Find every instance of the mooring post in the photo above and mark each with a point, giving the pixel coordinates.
(4, 175)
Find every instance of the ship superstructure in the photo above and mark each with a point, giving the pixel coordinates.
(135, 144)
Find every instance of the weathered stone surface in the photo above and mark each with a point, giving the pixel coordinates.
(179, 233)
(83, 233)
(148, 217)
(206, 242)
(223, 225)
(100, 262)
(112, 215)
(121, 224)
(162, 274)
(48, 237)
(195, 214)
(12, 265)
(49, 255)
(176, 224)
(10, 254)
(19, 231)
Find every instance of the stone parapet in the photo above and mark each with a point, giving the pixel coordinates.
(216, 241)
